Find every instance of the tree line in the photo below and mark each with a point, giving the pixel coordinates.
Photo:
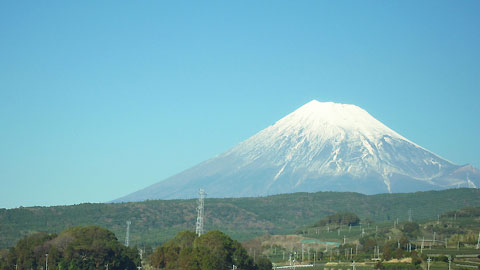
(82, 248)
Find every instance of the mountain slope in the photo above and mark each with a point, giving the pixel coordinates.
(242, 218)
(322, 146)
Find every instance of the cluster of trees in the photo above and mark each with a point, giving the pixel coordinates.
(465, 212)
(211, 251)
(81, 248)
(411, 229)
(345, 218)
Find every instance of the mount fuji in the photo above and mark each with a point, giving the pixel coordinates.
(321, 146)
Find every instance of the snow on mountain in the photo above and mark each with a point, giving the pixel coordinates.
(322, 146)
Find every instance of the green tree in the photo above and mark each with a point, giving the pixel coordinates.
(211, 251)
(411, 229)
(398, 254)
(368, 244)
(345, 218)
(263, 263)
(416, 258)
(220, 248)
(77, 247)
(187, 260)
(387, 252)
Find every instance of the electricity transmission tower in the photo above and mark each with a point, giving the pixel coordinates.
(127, 236)
(199, 225)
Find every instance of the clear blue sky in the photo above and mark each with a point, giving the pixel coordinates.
(102, 98)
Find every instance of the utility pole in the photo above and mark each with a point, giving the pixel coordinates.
(46, 261)
(423, 243)
(303, 252)
(449, 262)
(140, 252)
(478, 241)
(410, 215)
(428, 263)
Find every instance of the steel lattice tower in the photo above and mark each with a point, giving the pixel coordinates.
(127, 236)
(199, 225)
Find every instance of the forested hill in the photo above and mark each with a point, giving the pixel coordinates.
(154, 222)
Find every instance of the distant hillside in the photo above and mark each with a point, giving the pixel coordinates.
(154, 222)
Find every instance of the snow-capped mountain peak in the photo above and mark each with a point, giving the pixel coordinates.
(321, 146)
(328, 120)
(326, 138)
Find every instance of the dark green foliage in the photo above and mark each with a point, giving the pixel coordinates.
(3, 258)
(411, 229)
(400, 266)
(263, 263)
(416, 258)
(387, 253)
(442, 258)
(398, 254)
(76, 248)
(154, 222)
(339, 219)
(465, 212)
(213, 250)
(368, 243)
